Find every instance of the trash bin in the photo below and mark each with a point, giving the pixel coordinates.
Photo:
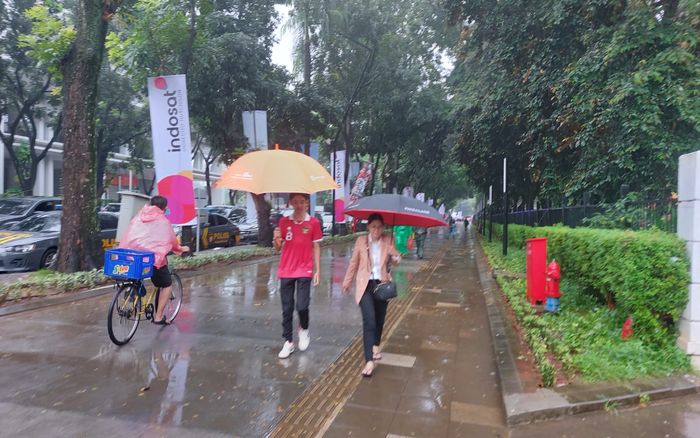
(131, 204)
(536, 269)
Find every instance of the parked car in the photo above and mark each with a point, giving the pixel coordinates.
(13, 210)
(233, 212)
(112, 207)
(276, 215)
(249, 230)
(327, 222)
(218, 231)
(33, 242)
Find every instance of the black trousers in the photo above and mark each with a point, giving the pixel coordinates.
(373, 314)
(303, 289)
(420, 245)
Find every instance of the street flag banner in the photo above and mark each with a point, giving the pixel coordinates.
(364, 176)
(420, 197)
(170, 127)
(338, 172)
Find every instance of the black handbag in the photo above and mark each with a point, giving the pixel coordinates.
(382, 291)
(385, 291)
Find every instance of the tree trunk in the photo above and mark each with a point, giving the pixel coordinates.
(77, 244)
(264, 228)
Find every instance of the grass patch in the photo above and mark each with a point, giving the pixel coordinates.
(584, 335)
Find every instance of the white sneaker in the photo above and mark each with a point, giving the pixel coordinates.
(304, 339)
(287, 349)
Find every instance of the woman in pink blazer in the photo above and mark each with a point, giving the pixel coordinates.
(369, 266)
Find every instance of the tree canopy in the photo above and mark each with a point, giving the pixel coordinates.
(580, 96)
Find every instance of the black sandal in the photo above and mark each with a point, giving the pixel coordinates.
(161, 322)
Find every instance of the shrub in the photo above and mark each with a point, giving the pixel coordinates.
(643, 273)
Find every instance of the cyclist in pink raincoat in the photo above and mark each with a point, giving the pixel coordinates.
(151, 231)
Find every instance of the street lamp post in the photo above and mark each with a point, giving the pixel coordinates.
(505, 210)
(490, 211)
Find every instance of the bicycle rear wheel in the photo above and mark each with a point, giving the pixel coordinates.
(124, 316)
(175, 301)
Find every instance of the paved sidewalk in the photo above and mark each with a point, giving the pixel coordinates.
(438, 375)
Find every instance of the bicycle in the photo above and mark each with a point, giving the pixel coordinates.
(131, 299)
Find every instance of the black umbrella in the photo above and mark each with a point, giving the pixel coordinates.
(396, 210)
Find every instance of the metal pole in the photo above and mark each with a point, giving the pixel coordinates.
(197, 242)
(490, 212)
(505, 210)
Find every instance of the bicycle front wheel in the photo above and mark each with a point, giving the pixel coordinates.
(175, 300)
(124, 315)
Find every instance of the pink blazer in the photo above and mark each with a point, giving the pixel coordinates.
(360, 267)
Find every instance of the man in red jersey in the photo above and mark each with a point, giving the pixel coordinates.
(298, 236)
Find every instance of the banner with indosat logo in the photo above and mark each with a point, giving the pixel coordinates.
(170, 126)
(338, 172)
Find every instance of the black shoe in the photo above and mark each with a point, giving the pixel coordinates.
(161, 322)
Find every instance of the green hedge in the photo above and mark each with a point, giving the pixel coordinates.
(645, 273)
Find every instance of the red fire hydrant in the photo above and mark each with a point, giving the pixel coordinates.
(551, 287)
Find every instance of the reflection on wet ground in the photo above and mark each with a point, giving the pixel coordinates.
(214, 372)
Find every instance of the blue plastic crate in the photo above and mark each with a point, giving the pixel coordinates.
(128, 264)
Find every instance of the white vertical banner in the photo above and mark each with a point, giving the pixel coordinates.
(255, 130)
(170, 127)
(338, 172)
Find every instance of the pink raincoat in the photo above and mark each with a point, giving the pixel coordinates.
(150, 230)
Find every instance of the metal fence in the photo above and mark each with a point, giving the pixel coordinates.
(661, 215)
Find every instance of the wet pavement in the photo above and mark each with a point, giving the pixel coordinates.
(215, 371)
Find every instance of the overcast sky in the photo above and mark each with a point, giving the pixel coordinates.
(282, 50)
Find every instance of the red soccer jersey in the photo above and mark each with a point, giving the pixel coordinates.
(297, 260)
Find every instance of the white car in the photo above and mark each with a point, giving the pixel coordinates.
(327, 224)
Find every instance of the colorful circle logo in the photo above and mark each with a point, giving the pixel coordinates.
(180, 193)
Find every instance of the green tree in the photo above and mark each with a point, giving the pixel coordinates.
(28, 90)
(121, 119)
(81, 70)
(580, 96)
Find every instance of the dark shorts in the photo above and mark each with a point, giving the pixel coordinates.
(161, 277)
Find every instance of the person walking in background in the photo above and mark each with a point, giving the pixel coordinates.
(421, 233)
(369, 266)
(402, 233)
(298, 236)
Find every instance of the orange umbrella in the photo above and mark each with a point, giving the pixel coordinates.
(276, 171)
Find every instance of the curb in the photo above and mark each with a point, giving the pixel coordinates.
(549, 403)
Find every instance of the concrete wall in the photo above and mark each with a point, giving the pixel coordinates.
(689, 231)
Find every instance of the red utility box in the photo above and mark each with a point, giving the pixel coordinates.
(536, 269)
